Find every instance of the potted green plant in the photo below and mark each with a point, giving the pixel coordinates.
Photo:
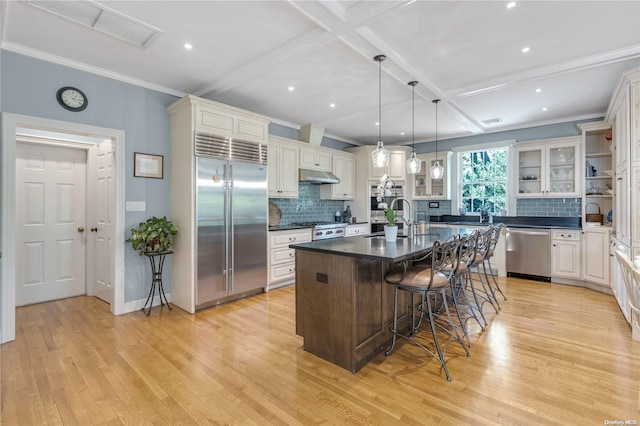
(154, 235)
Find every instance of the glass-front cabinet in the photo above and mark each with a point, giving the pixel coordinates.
(549, 169)
(426, 188)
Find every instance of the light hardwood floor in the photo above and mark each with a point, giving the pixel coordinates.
(554, 355)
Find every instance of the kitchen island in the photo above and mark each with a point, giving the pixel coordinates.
(344, 308)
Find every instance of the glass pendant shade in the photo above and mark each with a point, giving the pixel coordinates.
(380, 156)
(413, 164)
(437, 171)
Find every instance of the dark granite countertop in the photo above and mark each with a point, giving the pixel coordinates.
(375, 247)
(513, 221)
(282, 227)
(287, 227)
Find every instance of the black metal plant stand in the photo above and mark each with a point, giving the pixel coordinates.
(156, 274)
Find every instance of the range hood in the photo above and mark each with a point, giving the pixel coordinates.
(317, 176)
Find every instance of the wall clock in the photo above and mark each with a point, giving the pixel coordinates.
(72, 99)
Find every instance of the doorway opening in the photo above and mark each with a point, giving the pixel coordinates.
(18, 128)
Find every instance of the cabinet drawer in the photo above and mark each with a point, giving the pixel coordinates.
(282, 272)
(354, 230)
(280, 239)
(282, 255)
(566, 235)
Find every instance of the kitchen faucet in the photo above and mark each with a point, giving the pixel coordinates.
(408, 222)
(483, 215)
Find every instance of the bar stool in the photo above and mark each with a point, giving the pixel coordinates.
(481, 294)
(496, 231)
(467, 254)
(430, 282)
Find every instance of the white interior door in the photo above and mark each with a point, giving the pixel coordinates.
(50, 221)
(103, 221)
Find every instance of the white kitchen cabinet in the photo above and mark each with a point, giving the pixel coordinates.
(344, 167)
(396, 169)
(621, 131)
(357, 229)
(282, 259)
(599, 170)
(622, 208)
(315, 158)
(565, 254)
(282, 168)
(595, 255)
(635, 122)
(618, 286)
(548, 169)
(426, 188)
(226, 121)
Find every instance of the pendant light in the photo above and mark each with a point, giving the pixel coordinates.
(380, 155)
(437, 171)
(413, 164)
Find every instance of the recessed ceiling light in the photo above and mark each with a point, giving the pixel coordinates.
(401, 133)
(511, 4)
(525, 49)
(377, 123)
(188, 46)
(544, 109)
(538, 90)
(291, 88)
(332, 105)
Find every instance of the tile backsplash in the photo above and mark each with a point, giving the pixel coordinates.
(308, 206)
(567, 207)
(560, 207)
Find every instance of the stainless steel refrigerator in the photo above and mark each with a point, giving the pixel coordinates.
(231, 219)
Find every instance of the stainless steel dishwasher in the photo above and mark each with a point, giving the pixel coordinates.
(529, 253)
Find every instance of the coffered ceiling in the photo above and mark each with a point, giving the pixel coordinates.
(249, 53)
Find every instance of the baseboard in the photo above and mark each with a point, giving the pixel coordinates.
(137, 305)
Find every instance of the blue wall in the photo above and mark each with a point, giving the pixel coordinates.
(28, 86)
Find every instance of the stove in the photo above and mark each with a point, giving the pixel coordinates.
(324, 230)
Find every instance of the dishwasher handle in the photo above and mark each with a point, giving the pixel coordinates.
(527, 232)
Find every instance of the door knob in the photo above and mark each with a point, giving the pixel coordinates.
(94, 229)
(81, 229)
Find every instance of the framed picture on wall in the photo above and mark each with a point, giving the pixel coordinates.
(147, 165)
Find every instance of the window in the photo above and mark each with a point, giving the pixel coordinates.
(484, 179)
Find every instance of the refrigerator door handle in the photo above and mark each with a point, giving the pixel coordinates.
(231, 231)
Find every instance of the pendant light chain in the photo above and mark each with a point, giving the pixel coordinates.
(380, 156)
(380, 98)
(413, 116)
(436, 101)
(437, 171)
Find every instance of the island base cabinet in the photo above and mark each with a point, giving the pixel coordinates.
(344, 308)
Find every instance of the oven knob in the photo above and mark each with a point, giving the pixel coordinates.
(329, 232)
(318, 233)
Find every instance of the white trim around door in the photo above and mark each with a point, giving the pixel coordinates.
(10, 124)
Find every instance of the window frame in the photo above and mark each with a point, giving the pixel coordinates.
(456, 195)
